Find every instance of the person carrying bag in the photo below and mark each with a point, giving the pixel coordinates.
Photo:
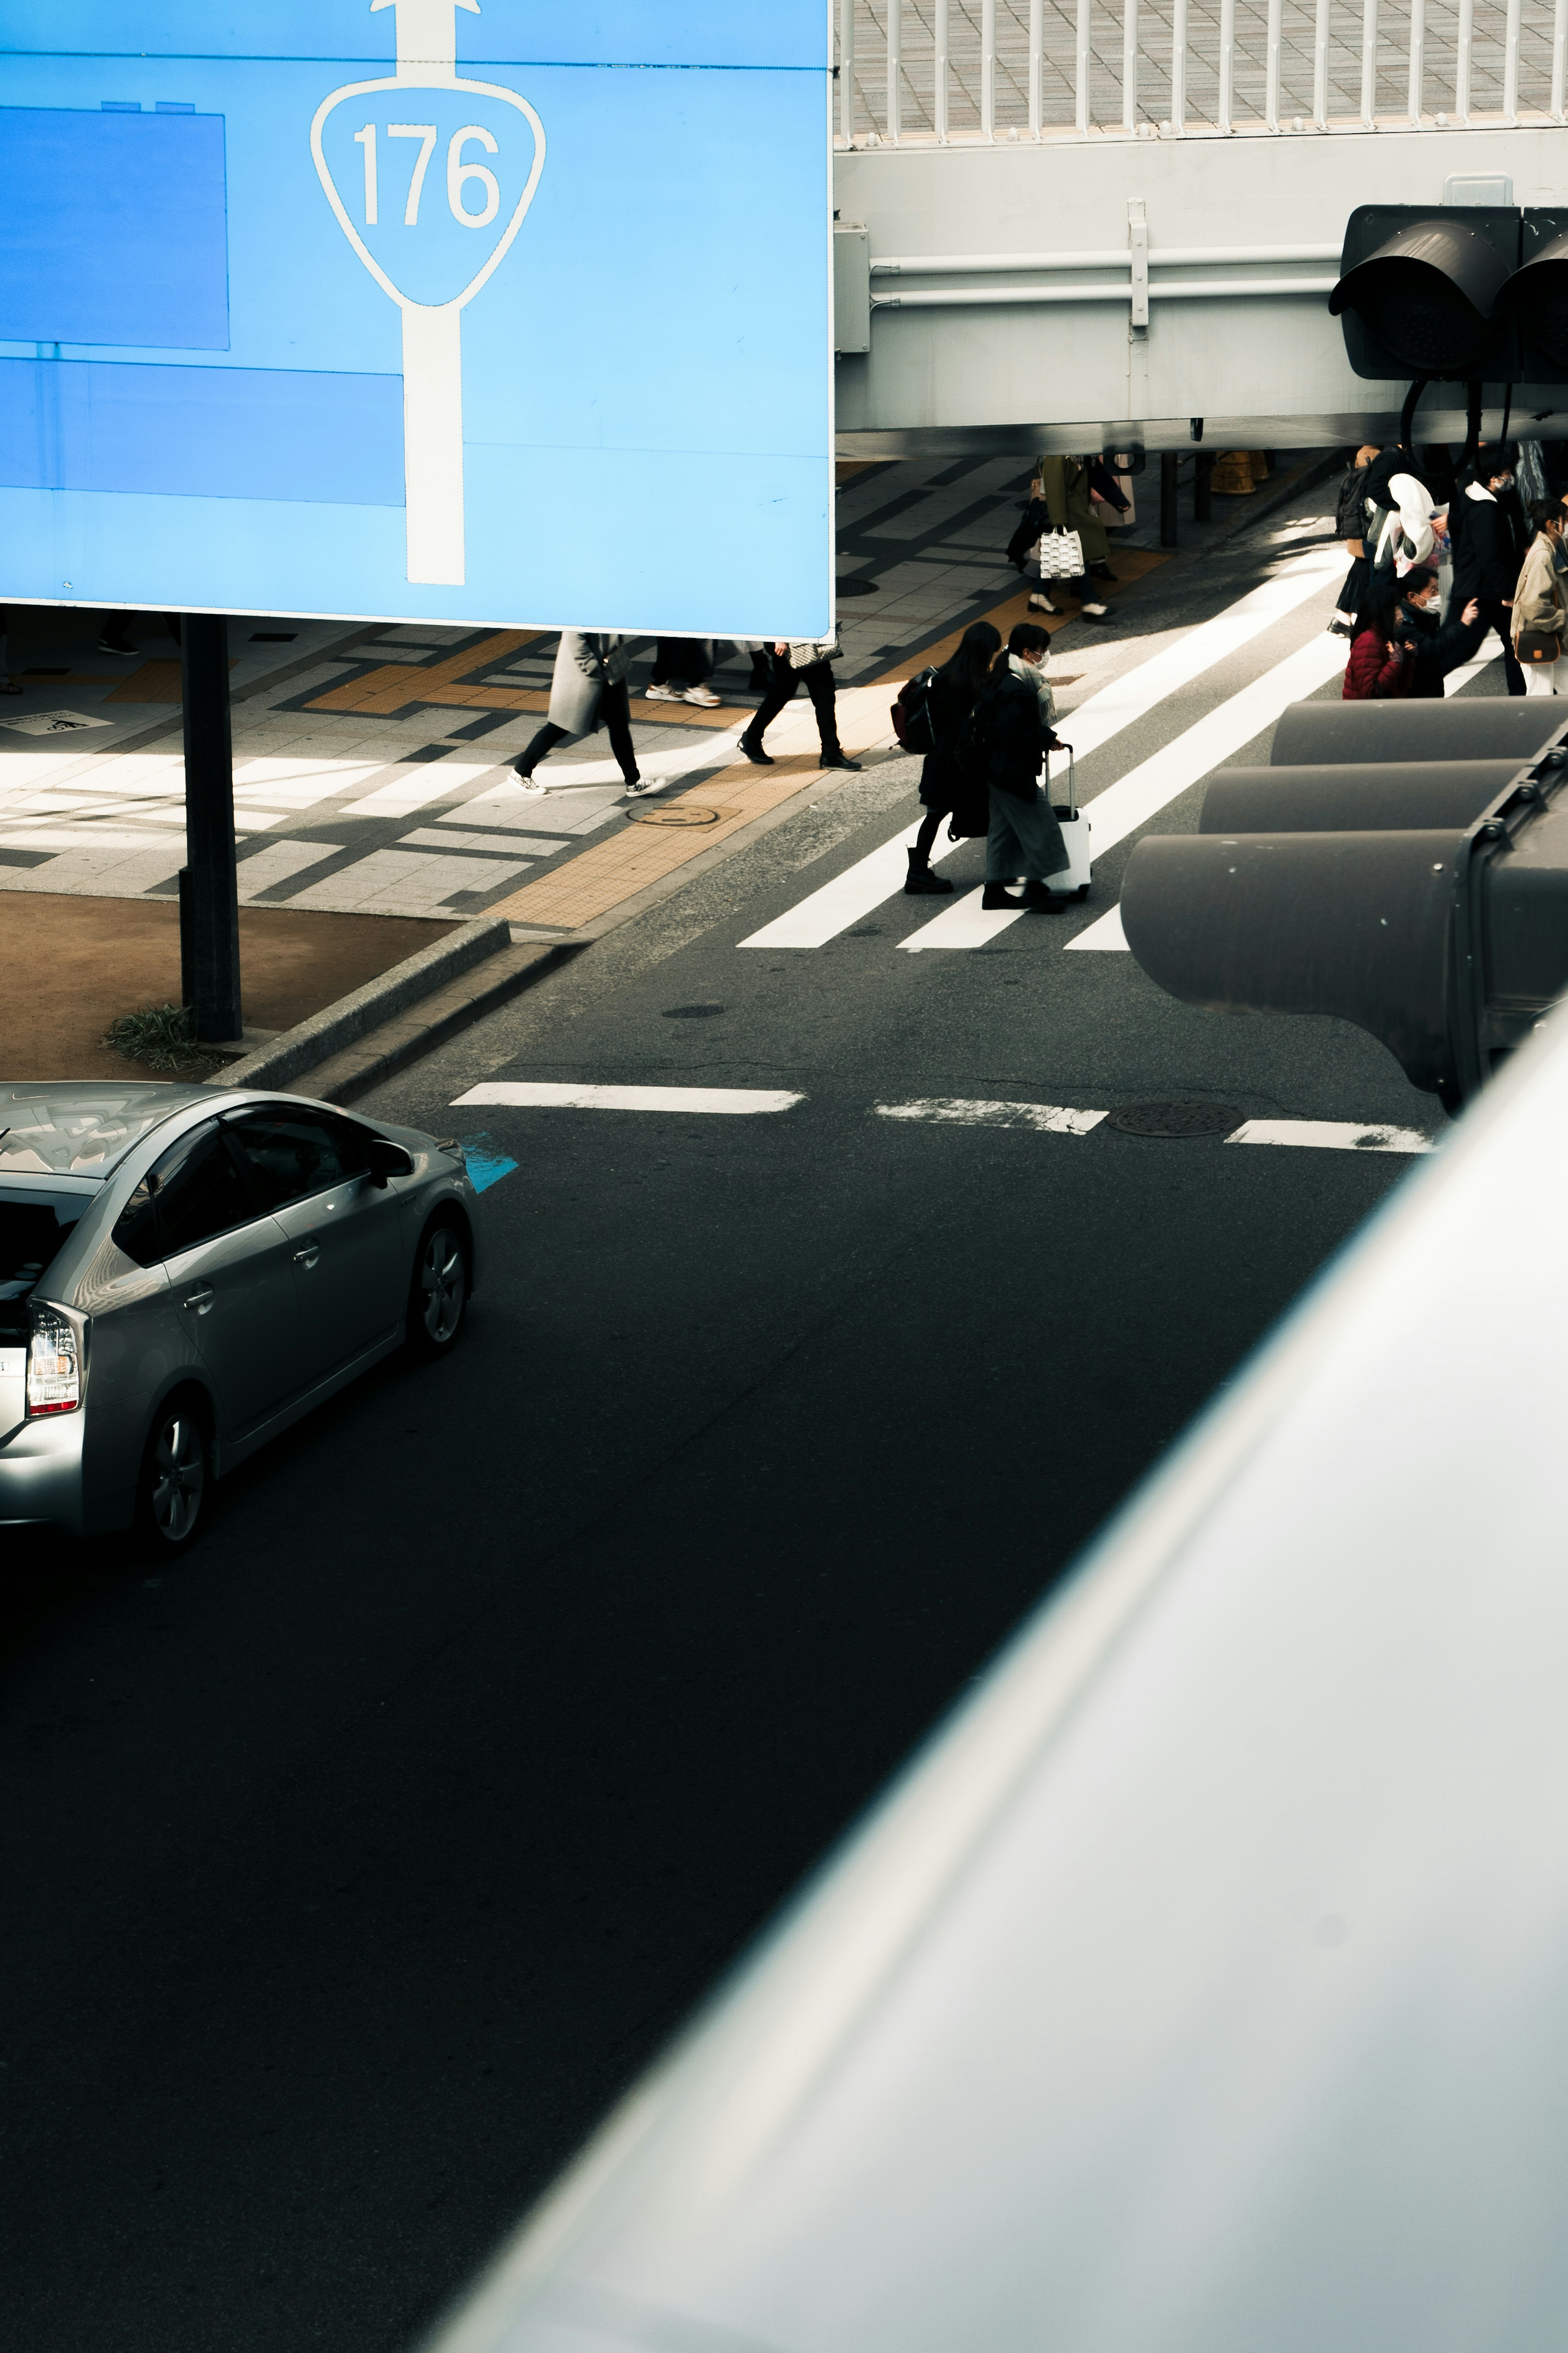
(1540, 606)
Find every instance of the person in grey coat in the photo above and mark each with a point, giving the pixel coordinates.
(587, 691)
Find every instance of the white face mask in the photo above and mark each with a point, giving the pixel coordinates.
(1503, 482)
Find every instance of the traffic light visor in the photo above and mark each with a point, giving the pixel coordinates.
(1428, 296)
(1537, 296)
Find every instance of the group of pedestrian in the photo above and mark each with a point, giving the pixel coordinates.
(992, 718)
(589, 689)
(1502, 556)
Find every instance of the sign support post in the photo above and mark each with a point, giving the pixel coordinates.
(209, 903)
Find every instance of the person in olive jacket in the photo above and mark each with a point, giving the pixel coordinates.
(1008, 735)
(1065, 484)
(1488, 548)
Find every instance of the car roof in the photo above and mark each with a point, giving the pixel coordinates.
(82, 1127)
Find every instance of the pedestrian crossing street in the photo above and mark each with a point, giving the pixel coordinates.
(1301, 586)
(948, 1111)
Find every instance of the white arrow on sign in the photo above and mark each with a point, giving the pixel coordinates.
(431, 332)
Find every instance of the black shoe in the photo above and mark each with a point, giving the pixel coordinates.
(1042, 899)
(755, 754)
(995, 896)
(839, 760)
(922, 882)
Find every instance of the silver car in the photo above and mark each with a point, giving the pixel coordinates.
(185, 1271)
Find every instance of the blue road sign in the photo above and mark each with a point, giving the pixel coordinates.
(302, 311)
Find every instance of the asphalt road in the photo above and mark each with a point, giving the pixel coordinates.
(351, 1869)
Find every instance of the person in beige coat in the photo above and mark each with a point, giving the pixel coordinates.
(1540, 606)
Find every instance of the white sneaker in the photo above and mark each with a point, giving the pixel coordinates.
(666, 693)
(703, 696)
(1093, 612)
(529, 784)
(1038, 603)
(642, 784)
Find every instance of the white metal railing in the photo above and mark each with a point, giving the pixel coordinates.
(960, 70)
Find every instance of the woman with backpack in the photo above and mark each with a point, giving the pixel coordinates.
(950, 697)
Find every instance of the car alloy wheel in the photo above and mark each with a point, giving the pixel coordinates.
(441, 1289)
(175, 1480)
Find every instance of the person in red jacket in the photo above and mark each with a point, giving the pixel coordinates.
(1382, 665)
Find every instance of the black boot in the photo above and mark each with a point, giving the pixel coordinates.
(1043, 899)
(996, 895)
(920, 881)
(754, 752)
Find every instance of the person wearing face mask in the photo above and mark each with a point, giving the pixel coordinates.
(1007, 736)
(1436, 646)
(1489, 549)
(1540, 603)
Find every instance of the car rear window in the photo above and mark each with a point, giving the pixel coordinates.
(33, 1230)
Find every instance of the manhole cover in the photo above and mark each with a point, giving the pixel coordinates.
(678, 813)
(691, 1012)
(856, 587)
(1174, 1119)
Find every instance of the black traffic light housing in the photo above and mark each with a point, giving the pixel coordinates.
(1418, 288)
(1536, 296)
(1438, 920)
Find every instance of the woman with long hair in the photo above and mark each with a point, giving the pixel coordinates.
(954, 690)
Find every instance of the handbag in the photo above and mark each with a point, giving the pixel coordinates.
(1061, 556)
(1538, 646)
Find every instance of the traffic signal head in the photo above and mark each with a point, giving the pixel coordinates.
(1536, 296)
(1429, 909)
(1418, 290)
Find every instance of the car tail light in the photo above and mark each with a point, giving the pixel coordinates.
(54, 1362)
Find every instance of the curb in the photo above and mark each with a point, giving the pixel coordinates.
(338, 1026)
(391, 1047)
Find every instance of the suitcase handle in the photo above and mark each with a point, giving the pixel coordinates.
(1072, 779)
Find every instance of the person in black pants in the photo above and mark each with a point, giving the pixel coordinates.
(587, 691)
(953, 693)
(796, 662)
(1489, 549)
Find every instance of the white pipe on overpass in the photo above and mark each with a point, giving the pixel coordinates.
(941, 265)
(1172, 290)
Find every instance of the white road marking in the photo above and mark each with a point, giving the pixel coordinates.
(1155, 782)
(1330, 1135)
(863, 886)
(1106, 933)
(1058, 1119)
(539, 1095)
(958, 1111)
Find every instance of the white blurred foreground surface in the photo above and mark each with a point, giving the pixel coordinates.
(1203, 1988)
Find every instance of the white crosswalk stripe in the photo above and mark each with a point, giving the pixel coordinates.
(1159, 780)
(1058, 1119)
(863, 886)
(1107, 934)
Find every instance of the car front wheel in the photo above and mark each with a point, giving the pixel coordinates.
(176, 1479)
(438, 1296)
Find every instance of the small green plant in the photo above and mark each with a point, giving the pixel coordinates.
(160, 1038)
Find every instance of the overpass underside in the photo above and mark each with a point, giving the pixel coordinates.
(1114, 230)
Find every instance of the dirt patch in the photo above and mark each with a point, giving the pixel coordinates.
(68, 966)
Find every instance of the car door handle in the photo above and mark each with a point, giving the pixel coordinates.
(309, 1255)
(200, 1299)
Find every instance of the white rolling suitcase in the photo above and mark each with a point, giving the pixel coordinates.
(1075, 826)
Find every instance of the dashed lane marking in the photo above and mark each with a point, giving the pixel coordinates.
(1330, 1135)
(538, 1095)
(959, 1110)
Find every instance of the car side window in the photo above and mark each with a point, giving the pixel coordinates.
(194, 1192)
(293, 1154)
